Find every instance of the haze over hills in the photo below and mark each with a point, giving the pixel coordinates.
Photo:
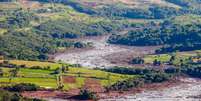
(100, 49)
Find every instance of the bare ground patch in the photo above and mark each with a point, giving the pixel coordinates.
(69, 79)
(94, 85)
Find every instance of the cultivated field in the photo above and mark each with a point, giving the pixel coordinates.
(74, 78)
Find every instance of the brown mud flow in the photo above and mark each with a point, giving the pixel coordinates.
(103, 54)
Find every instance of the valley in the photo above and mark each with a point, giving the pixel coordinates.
(103, 54)
(100, 50)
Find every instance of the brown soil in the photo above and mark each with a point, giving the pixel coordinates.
(94, 85)
(30, 4)
(69, 79)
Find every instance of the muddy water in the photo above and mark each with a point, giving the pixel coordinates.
(96, 57)
(189, 90)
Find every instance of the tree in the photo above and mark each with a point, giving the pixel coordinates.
(59, 80)
(13, 73)
(64, 68)
(86, 95)
(138, 60)
(1, 72)
(172, 59)
(79, 74)
(156, 62)
(108, 78)
(57, 71)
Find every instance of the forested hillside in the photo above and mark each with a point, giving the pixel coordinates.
(175, 34)
(40, 27)
(33, 33)
(100, 50)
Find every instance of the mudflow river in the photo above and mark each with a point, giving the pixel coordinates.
(190, 90)
(102, 51)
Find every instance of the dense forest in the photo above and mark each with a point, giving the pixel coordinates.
(67, 29)
(173, 36)
(23, 44)
(21, 39)
(37, 36)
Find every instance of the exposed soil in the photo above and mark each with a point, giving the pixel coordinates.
(180, 89)
(94, 85)
(30, 4)
(69, 79)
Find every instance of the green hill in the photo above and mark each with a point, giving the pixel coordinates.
(33, 29)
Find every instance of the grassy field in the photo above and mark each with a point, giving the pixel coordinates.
(8, 6)
(127, 3)
(166, 57)
(187, 19)
(2, 31)
(35, 63)
(69, 13)
(45, 78)
(161, 57)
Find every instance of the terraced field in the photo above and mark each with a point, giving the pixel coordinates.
(74, 78)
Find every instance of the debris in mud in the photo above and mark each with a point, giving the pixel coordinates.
(103, 54)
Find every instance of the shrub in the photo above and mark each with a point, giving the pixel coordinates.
(156, 77)
(8, 96)
(86, 95)
(137, 60)
(23, 87)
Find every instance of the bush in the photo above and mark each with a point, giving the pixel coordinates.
(137, 60)
(23, 87)
(10, 96)
(126, 84)
(192, 70)
(79, 45)
(7, 96)
(130, 71)
(172, 70)
(86, 95)
(156, 77)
